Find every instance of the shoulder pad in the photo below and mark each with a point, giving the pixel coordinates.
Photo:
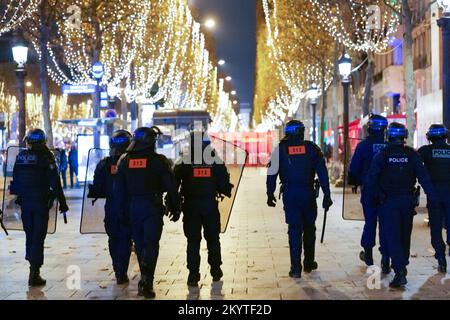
(122, 159)
(168, 163)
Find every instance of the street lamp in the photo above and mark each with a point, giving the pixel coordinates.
(98, 70)
(444, 24)
(228, 78)
(233, 93)
(221, 62)
(313, 94)
(20, 56)
(210, 23)
(345, 70)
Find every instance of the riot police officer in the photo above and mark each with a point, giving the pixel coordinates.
(36, 183)
(437, 160)
(391, 184)
(142, 178)
(202, 182)
(360, 164)
(119, 235)
(296, 162)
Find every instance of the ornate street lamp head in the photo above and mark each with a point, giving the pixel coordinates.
(313, 93)
(345, 67)
(19, 50)
(445, 5)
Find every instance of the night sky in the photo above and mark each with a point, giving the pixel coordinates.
(235, 36)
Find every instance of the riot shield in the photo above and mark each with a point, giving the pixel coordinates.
(92, 210)
(351, 198)
(234, 159)
(12, 216)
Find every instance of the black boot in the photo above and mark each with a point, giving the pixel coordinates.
(399, 279)
(193, 279)
(295, 273)
(366, 256)
(35, 279)
(385, 265)
(122, 278)
(310, 266)
(442, 265)
(216, 274)
(145, 289)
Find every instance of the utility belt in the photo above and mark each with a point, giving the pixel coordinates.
(313, 188)
(415, 193)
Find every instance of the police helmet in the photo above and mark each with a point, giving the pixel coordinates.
(377, 123)
(397, 133)
(146, 136)
(35, 137)
(295, 128)
(120, 139)
(437, 132)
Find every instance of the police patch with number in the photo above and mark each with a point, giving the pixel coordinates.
(202, 173)
(137, 164)
(113, 169)
(297, 150)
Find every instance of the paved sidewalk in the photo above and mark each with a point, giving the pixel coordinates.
(255, 255)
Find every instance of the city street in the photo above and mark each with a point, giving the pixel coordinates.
(255, 260)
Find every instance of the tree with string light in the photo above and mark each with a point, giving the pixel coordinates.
(15, 12)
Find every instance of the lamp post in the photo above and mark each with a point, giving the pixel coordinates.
(20, 56)
(313, 94)
(345, 70)
(98, 71)
(444, 24)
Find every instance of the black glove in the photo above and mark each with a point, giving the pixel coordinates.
(271, 200)
(63, 208)
(174, 215)
(327, 202)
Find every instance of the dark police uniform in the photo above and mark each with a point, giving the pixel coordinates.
(437, 160)
(201, 184)
(391, 183)
(35, 182)
(142, 178)
(119, 234)
(359, 166)
(299, 161)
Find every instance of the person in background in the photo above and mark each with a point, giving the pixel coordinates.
(63, 166)
(73, 165)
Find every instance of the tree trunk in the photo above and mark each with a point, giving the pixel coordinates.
(324, 108)
(409, 71)
(335, 105)
(43, 77)
(368, 86)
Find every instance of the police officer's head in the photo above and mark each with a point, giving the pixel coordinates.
(119, 142)
(397, 133)
(437, 133)
(295, 129)
(377, 124)
(144, 138)
(35, 139)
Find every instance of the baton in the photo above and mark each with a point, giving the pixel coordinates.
(3, 226)
(65, 218)
(324, 225)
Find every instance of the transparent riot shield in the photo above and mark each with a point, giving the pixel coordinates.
(351, 199)
(12, 215)
(92, 210)
(234, 159)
